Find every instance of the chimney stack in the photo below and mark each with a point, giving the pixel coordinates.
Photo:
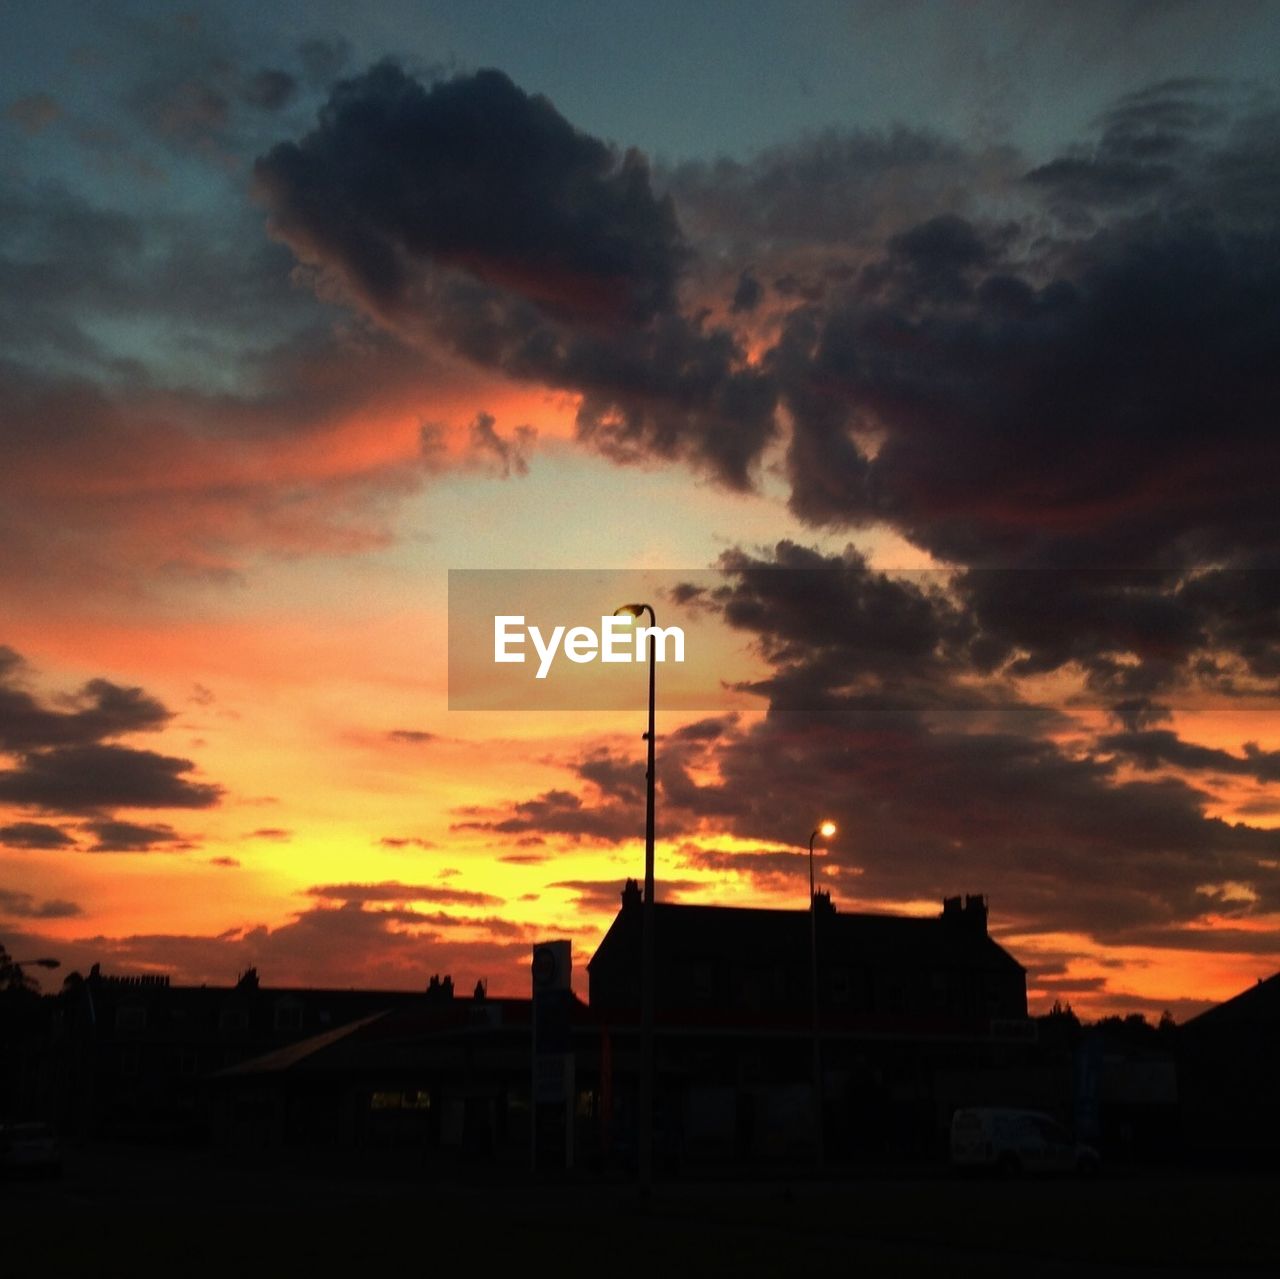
(968, 912)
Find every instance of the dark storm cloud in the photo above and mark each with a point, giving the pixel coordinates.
(1156, 748)
(1058, 388)
(923, 812)
(1100, 395)
(1085, 381)
(833, 189)
(767, 868)
(560, 812)
(1240, 611)
(1120, 369)
(933, 260)
(617, 778)
(474, 215)
(1147, 143)
(1221, 939)
(1142, 638)
(934, 775)
(474, 173)
(77, 779)
(605, 895)
(808, 608)
(747, 294)
(887, 712)
(34, 835)
(706, 730)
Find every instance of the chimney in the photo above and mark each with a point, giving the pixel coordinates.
(630, 895)
(968, 913)
(975, 912)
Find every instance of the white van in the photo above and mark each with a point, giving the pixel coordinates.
(1016, 1141)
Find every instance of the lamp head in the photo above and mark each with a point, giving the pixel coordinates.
(827, 829)
(630, 610)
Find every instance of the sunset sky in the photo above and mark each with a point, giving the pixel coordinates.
(927, 356)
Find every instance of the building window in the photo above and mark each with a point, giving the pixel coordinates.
(407, 1099)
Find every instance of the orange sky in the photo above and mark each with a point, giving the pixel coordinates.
(269, 373)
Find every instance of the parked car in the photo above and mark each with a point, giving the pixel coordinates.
(1016, 1141)
(29, 1149)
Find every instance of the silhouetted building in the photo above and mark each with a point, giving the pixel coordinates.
(1228, 1068)
(901, 1000)
(446, 1078)
(132, 1053)
(883, 972)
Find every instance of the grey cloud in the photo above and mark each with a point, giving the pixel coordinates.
(35, 835)
(270, 89)
(473, 173)
(73, 779)
(393, 891)
(1154, 748)
(115, 836)
(20, 905)
(560, 269)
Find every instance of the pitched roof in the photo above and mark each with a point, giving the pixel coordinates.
(1259, 1005)
(397, 1037)
(912, 941)
(292, 1054)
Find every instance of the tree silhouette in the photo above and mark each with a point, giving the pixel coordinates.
(12, 976)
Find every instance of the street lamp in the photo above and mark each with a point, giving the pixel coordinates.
(826, 830)
(645, 1134)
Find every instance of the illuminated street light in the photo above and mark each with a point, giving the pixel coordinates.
(645, 1134)
(826, 830)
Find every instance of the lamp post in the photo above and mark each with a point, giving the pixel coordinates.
(645, 1134)
(826, 830)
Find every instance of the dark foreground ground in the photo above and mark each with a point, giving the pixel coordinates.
(121, 1211)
